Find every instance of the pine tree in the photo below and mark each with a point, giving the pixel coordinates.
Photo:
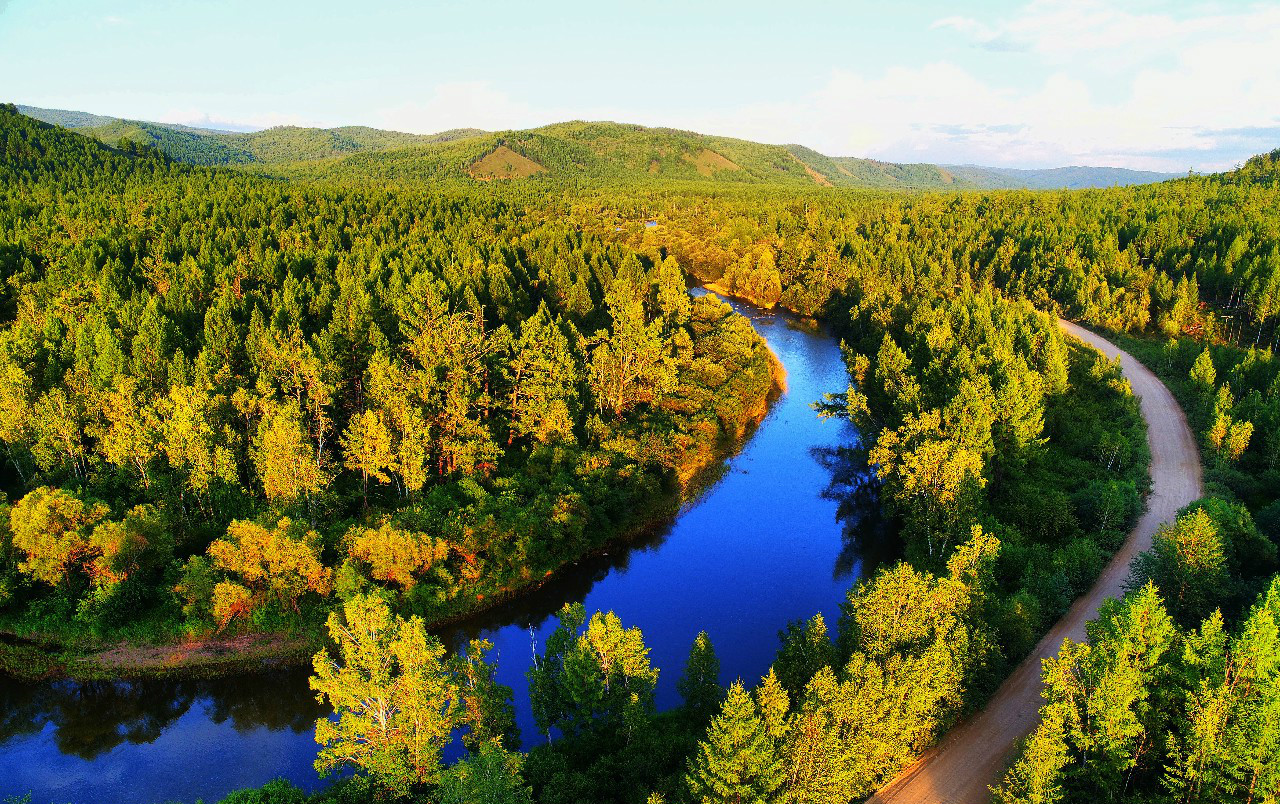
(738, 762)
(543, 373)
(1203, 373)
(806, 649)
(699, 687)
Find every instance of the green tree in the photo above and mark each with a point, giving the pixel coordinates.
(1203, 373)
(806, 649)
(699, 687)
(933, 479)
(598, 680)
(544, 381)
(629, 364)
(488, 713)
(738, 762)
(491, 775)
(1187, 563)
(366, 448)
(1037, 776)
(395, 700)
(1106, 687)
(288, 466)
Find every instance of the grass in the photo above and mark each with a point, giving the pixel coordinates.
(503, 163)
(708, 162)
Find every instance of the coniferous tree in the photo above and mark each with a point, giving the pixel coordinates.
(738, 762)
(699, 687)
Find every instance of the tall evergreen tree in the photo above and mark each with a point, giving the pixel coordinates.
(738, 762)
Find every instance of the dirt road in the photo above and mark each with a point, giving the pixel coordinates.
(973, 755)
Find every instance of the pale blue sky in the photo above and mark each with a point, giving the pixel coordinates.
(1048, 82)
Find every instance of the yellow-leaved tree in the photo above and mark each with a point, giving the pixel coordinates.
(282, 563)
(396, 701)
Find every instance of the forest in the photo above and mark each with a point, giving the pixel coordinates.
(260, 396)
(357, 406)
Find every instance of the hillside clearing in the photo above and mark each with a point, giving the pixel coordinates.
(503, 163)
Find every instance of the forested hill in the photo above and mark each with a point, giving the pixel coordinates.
(852, 171)
(201, 146)
(574, 152)
(1063, 178)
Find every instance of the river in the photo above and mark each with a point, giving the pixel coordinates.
(782, 534)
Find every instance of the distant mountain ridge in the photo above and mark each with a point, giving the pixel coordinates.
(203, 146)
(573, 152)
(1074, 177)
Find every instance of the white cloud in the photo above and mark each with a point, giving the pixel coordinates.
(1142, 90)
(199, 118)
(1120, 85)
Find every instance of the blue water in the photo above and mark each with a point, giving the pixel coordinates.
(780, 536)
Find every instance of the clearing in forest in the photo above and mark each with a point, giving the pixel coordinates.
(503, 163)
(707, 162)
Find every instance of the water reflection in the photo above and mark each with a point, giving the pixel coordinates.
(868, 539)
(88, 719)
(572, 583)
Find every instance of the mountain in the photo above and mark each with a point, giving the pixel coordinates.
(293, 144)
(575, 152)
(614, 152)
(202, 146)
(1068, 178)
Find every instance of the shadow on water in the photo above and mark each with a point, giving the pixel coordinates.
(91, 718)
(574, 582)
(869, 540)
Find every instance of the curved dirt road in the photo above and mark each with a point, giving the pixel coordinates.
(973, 754)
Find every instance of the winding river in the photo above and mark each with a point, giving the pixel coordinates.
(783, 534)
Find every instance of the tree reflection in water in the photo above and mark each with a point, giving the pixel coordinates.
(869, 540)
(93, 717)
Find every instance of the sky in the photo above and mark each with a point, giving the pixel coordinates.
(1144, 84)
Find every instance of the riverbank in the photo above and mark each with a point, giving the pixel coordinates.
(760, 542)
(29, 657)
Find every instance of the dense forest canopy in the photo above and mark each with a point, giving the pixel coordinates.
(305, 389)
(369, 393)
